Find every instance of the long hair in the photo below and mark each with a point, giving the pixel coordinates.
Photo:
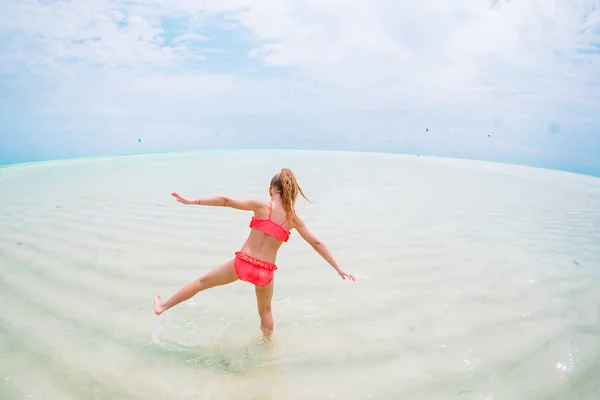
(285, 183)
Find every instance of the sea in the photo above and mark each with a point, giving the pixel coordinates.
(474, 280)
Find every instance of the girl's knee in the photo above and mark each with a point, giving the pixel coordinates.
(203, 282)
(264, 310)
(207, 280)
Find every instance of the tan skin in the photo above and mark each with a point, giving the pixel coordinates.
(258, 245)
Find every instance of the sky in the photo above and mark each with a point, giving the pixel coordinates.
(434, 77)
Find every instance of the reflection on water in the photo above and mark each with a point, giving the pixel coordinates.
(474, 281)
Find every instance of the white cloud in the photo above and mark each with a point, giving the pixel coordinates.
(461, 68)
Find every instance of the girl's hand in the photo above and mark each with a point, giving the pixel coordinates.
(344, 275)
(180, 199)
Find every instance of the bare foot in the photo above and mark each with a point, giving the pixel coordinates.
(159, 308)
(266, 334)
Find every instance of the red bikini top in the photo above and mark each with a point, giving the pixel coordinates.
(271, 228)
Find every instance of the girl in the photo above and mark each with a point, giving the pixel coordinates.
(255, 262)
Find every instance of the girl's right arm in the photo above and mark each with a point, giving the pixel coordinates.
(319, 247)
(222, 201)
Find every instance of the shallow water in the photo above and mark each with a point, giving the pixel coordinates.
(474, 281)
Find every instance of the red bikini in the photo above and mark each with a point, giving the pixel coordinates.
(255, 270)
(271, 228)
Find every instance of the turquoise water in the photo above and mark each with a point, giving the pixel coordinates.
(474, 281)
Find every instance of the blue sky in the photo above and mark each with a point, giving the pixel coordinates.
(88, 77)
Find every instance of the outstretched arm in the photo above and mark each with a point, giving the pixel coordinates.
(319, 247)
(221, 201)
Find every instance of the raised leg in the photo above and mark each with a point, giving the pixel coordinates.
(221, 275)
(264, 295)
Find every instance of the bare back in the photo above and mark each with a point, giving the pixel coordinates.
(262, 245)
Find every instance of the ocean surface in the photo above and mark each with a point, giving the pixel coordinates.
(474, 281)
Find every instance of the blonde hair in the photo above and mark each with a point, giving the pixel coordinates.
(285, 183)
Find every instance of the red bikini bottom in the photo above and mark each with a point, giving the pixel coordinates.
(253, 270)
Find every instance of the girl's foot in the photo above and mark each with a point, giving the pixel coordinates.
(159, 308)
(266, 334)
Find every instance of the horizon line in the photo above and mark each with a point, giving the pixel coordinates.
(158, 153)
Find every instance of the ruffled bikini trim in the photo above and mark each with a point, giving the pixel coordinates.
(256, 261)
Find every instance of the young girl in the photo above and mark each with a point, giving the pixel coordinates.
(255, 262)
